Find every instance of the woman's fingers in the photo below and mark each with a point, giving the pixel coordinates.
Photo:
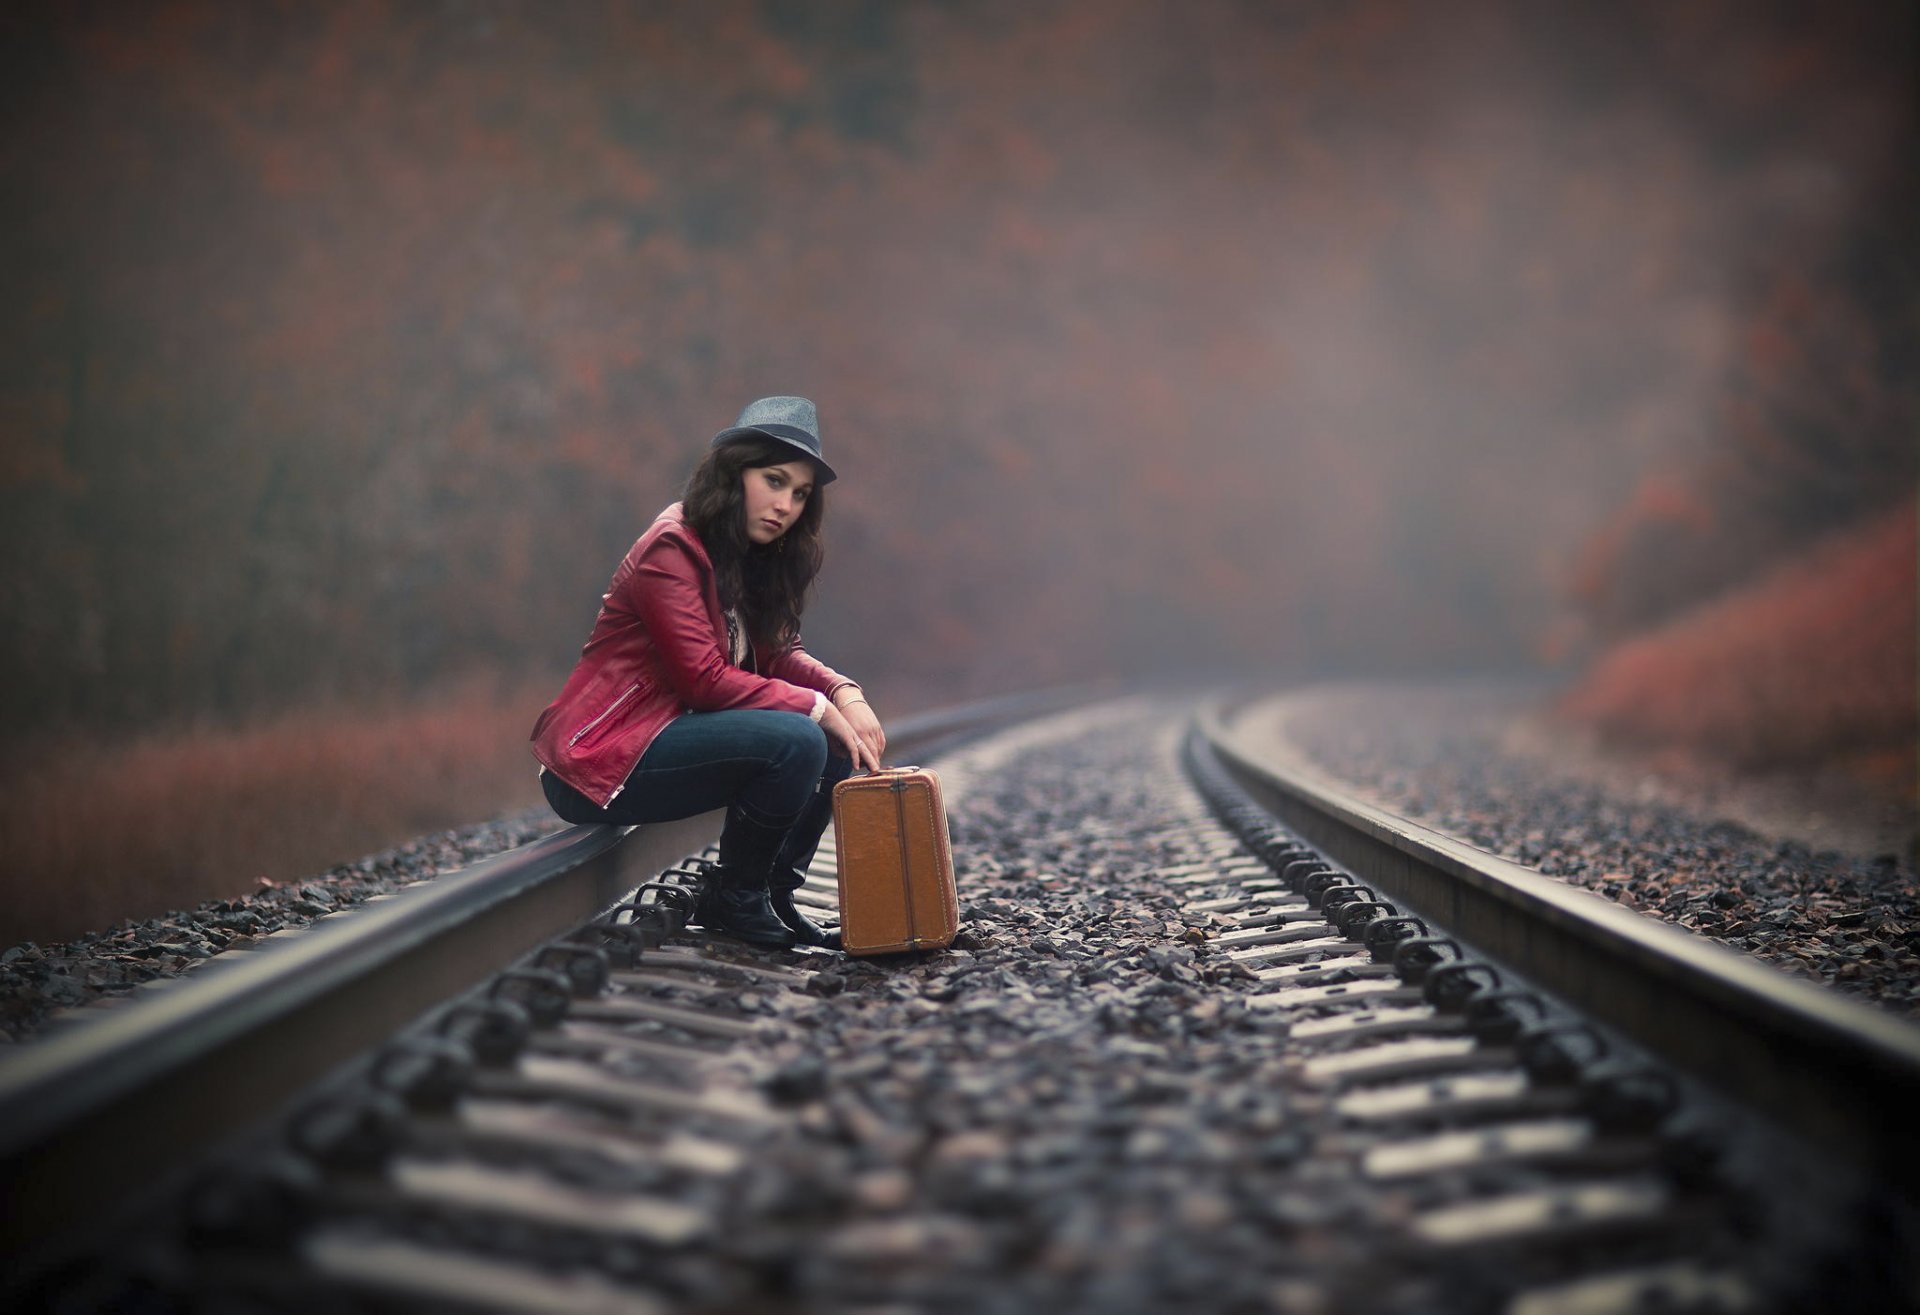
(867, 726)
(864, 758)
(840, 733)
(858, 731)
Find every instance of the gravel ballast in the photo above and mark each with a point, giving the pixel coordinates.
(1477, 762)
(37, 982)
(1073, 1108)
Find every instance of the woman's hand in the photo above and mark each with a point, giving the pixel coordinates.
(864, 748)
(867, 727)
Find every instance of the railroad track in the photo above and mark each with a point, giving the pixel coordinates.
(1196, 1047)
(96, 1119)
(1725, 1112)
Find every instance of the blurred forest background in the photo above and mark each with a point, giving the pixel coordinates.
(349, 344)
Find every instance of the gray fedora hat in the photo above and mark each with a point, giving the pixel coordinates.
(791, 420)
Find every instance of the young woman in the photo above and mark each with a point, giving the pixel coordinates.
(693, 691)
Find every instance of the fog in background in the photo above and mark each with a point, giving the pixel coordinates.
(347, 346)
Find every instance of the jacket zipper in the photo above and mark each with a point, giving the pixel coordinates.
(611, 707)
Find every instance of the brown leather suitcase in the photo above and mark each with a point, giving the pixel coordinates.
(896, 868)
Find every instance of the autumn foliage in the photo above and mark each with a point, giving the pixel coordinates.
(1813, 664)
(93, 836)
(1753, 600)
(348, 346)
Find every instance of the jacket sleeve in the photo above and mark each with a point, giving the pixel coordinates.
(667, 596)
(799, 667)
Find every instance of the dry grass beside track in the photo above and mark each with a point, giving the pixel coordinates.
(91, 835)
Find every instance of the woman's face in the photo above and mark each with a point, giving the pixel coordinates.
(775, 497)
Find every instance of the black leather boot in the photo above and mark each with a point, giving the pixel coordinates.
(805, 930)
(746, 916)
(796, 856)
(734, 902)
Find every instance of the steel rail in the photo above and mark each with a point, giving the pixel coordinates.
(96, 1113)
(1843, 1074)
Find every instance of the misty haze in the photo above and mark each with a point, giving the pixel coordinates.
(350, 346)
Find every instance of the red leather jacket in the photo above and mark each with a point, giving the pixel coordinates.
(659, 649)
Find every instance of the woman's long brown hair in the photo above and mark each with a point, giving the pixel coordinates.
(767, 582)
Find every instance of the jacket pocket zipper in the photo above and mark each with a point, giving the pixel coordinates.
(610, 710)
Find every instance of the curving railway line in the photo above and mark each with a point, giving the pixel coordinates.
(1215, 1036)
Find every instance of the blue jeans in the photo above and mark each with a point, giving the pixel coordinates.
(772, 767)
